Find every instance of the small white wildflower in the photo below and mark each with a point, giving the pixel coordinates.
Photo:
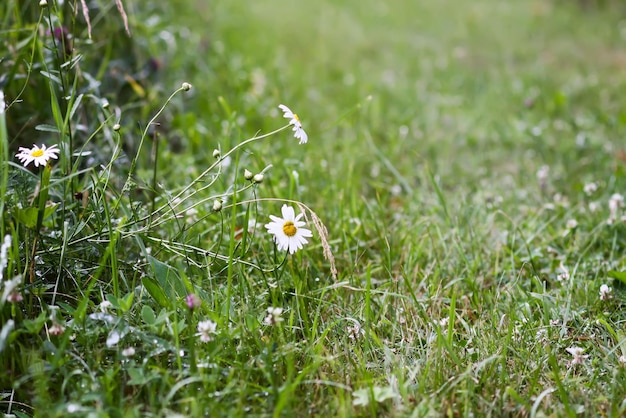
(615, 203)
(564, 275)
(273, 316)
(571, 224)
(39, 155)
(590, 188)
(186, 86)
(288, 232)
(113, 338)
(577, 354)
(217, 205)
(15, 297)
(4, 259)
(247, 174)
(543, 173)
(622, 360)
(73, 408)
(105, 305)
(205, 329)
(593, 207)
(295, 121)
(258, 178)
(10, 288)
(56, 329)
(541, 335)
(605, 292)
(355, 331)
(443, 322)
(128, 352)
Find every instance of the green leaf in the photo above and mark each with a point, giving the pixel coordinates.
(148, 316)
(161, 270)
(156, 292)
(619, 275)
(27, 217)
(47, 128)
(381, 394)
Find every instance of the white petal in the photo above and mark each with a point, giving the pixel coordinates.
(288, 213)
(287, 112)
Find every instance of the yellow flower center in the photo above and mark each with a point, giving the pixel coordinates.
(289, 229)
(37, 153)
(296, 117)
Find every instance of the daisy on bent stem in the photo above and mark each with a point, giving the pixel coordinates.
(288, 232)
(39, 155)
(295, 121)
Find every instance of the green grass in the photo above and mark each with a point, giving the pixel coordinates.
(450, 144)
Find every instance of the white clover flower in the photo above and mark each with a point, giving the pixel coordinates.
(56, 329)
(205, 329)
(39, 155)
(355, 331)
(590, 188)
(615, 203)
(128, 352)
(295, 121)
(288, 232)
(577, 354)
(105, 305)
(543, 173)
(273, 316)
(605, 292)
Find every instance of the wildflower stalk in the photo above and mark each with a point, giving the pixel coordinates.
(179, 196)
(191, 341)
(4, 157)
(133, 163)
(42, 199)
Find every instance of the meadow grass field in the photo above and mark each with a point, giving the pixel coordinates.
(448, 242)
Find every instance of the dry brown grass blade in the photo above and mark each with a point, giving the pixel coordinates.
(323, 233)
(83, 3)
(120, 8)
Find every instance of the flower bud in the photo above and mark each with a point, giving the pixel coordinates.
(258, 178)
(216, 153)
(117, 127)
(217, 205)
(43, 3)
(186, 86)
(247, 174)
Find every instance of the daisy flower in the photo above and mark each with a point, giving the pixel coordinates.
(39, 155)
(295, 121)
(288, 232)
